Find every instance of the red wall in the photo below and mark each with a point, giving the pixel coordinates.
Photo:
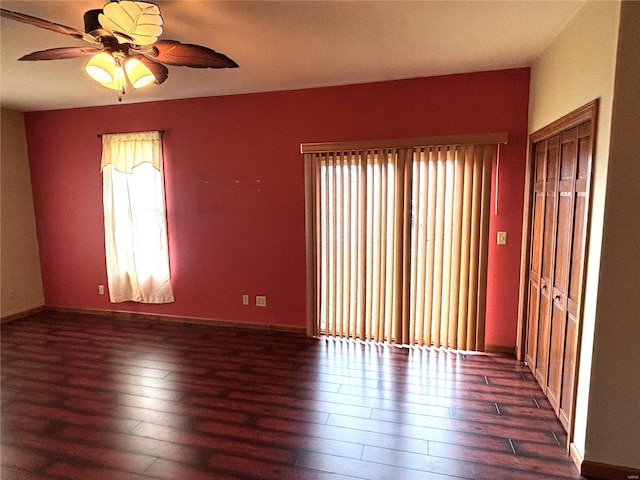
(235, 187)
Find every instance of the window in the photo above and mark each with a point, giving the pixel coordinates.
(134, 218)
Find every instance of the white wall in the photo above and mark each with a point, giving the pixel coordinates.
(20, 277)
(613, 422)
(587, 61)
(576, 68)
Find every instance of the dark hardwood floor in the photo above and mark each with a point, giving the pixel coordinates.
(88, 397)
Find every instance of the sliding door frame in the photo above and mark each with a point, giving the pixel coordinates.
(312, 213)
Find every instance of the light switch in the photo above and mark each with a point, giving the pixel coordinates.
(502, 238)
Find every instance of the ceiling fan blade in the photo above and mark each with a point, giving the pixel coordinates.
(160, 72)
(61, 53)
(46, 24)
(172, 52)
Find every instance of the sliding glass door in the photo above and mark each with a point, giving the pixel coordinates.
(397, 241)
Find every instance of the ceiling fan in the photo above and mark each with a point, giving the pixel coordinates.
(125, 45)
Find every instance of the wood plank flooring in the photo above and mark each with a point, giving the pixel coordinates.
(89, 397)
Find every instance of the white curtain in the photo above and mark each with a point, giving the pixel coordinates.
(135, 222)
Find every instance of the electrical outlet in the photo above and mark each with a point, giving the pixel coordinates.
(12, 295)
(502, 238)
(245, 299)
(100, 289)
(261, 301)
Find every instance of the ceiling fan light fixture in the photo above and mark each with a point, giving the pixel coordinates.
(118, 82)
(138, 73)
(101, 68)
(127, 31)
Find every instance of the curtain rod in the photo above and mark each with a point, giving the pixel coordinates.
(101, 134)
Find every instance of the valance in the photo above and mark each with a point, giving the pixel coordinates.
(125, 151)
(398, 143)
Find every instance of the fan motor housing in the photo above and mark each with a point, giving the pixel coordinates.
(92, 24)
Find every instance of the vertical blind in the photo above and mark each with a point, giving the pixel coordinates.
(397, 242)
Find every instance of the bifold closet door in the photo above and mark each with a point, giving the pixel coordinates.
(537, 236)
(576, 256)
(547, 226)
(556, 263)
(562, 263)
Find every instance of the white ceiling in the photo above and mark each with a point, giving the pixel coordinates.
(287, 45)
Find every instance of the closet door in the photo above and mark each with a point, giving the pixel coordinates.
(562, 156)
(576, 270)
(537, 236)
(562, 255)
(547, 265)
